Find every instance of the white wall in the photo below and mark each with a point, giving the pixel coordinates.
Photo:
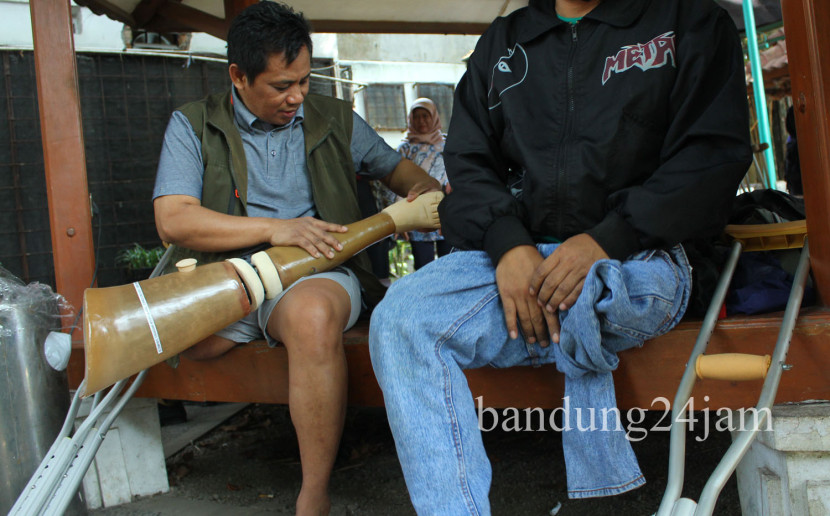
(397, 72)
(416, 48)
(325, 45)
(98, 33)
(15, 24)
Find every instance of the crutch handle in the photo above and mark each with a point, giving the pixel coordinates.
(736, 367)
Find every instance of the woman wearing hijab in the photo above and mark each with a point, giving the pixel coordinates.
(424, 144)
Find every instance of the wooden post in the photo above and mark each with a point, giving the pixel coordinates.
(806, 24)
(63, 148)
(234, 7)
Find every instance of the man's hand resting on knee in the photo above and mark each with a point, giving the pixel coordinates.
(513, 275)
(557, 282)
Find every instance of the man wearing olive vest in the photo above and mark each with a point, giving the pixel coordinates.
(267, 164)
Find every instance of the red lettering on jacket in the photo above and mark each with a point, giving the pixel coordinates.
(645, 56)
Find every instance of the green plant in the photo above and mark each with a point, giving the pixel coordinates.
(137, 257)
(400, 259)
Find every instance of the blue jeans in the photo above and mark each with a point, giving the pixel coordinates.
(448, 317)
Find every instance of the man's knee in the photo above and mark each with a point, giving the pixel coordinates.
(314, 312)
(311, 322)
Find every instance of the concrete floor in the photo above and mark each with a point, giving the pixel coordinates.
(249, 465)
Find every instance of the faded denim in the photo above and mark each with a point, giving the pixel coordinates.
(448, 317)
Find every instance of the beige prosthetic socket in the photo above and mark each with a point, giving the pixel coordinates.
(132, 327)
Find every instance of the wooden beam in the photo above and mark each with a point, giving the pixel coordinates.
(198, 21)
(108, 9)
(64, 160)
(145, 11)
(172, 16)
(806, 24)
(395, 27)
(234, 7)
(254, 372)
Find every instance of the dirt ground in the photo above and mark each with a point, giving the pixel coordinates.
(250, 465)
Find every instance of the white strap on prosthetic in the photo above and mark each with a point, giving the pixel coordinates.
(268, 274)
(251, 280)
(150, 321)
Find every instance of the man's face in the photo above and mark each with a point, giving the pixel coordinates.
(275, 95)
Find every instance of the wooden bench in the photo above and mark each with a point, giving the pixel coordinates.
(256, 373)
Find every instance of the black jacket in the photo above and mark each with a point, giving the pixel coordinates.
(631, 126)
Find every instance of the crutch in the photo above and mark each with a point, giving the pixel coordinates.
(734, 366)
(56, 480)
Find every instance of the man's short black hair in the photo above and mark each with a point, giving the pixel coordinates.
(263, 29)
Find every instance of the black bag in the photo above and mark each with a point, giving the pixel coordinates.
(759, 283)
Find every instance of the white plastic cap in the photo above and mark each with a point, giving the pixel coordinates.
(186, 265)
(57, 347)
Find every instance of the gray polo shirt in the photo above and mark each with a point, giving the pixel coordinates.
(278, 178)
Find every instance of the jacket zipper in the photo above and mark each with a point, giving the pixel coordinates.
(566, 133)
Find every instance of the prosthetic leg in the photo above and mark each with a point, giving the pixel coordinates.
(132, 327)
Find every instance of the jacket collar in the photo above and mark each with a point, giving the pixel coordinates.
(619, 13)
(219, 113)
(538, 18)
(541, 15)
(318, 126)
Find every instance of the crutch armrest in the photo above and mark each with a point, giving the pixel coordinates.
(769, 237)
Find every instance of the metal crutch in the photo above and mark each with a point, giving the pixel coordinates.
(61, 472)
(778, 236)
(56, 480)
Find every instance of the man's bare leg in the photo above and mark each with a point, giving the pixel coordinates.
(309, 320)
(211, 347)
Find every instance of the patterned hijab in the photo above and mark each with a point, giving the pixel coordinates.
(433, 135)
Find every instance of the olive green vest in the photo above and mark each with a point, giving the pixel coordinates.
(327, 129)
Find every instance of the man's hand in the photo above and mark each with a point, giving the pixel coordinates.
(429, 185)
(558, 281)
(183, 221)
(513, 275)
(409, 180)
(313, 235)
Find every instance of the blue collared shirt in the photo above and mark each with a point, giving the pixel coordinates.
(278, 180)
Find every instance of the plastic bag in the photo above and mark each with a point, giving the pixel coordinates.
(35, 306)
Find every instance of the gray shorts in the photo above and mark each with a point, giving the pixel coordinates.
(253, 326)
